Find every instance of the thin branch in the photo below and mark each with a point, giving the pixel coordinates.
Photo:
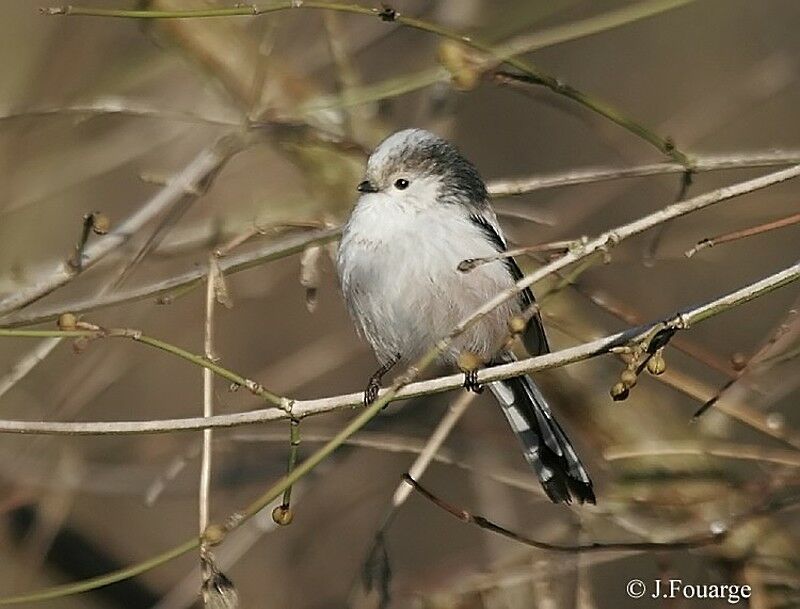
(705, 449)
(485, 523)
(771, 505)
(105, 106)
(529, 72)
(104, 580)
(26, 363)
(700, 163)
(137, 336)
(376, 571)
(208, 408)
(574, 30)
(304, 408)
(604, 241)
(743, 233)
(470, 264)
(202, 165)
(230, 264)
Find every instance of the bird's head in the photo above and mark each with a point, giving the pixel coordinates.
(418, 169)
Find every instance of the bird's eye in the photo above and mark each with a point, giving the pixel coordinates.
(401, 184)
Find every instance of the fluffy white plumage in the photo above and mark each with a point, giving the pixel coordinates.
(423, 210)
(398, 260)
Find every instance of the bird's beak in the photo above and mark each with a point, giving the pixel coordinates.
(366, 186)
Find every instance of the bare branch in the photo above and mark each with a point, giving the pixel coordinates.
(527, 71)
(485, 523)
(203, 164)
(701, 163)
(771, 505)
(230, 264)
(705, 449)
(303, 408)
(744, 233)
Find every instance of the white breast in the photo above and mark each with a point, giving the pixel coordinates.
(399, 276)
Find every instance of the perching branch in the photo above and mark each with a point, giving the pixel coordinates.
(304, 408)
(400, 388)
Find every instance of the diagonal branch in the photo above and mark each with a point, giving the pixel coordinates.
(529, 72)
(193, 174)
(229, 264)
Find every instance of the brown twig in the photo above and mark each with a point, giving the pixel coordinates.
(202, 165)
(485, 523)
(743, 233)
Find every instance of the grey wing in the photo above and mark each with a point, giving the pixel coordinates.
(534, 337)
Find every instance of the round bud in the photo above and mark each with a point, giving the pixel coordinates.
(468, 361)
(516, 325)
(67, 321)
(100, 223)
(739, 361)
(656, 365)
(619, 392)
(456, 59)
(282, 515)
(214, 534)
(628, 378)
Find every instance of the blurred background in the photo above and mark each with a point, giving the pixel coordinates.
(105, 114)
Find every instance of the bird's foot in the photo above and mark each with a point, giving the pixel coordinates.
(374, 383)
(471, 382)
(371, 392)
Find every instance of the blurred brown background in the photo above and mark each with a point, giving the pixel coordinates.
(98, 113)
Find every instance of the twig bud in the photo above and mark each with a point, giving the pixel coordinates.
(457, 59)
(100, 223)
(620, 392)
(67, 321)
(214, 534)
(656, 365)
(628, 378)
(739, 361)
(282, 515)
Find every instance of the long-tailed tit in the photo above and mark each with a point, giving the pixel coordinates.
(424, 209)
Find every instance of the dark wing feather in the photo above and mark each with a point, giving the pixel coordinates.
(534, 338)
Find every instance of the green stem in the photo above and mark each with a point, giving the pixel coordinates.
(530, 73)
(104, 580)
(294, 444)
(137, 336)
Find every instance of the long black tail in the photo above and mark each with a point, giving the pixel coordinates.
(546, 447)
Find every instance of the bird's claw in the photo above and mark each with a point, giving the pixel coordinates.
(371, 392)
(471, 382)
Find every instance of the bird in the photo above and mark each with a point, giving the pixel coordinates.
(423, 209)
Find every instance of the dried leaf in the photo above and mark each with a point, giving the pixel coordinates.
(221, 292)
(310, 274)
